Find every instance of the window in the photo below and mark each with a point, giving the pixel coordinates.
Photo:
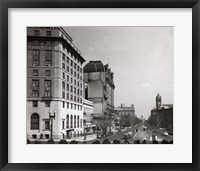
(35, 121)
(74, 121)
(71, 106)
(78, 83)
(63, 75)
(63, 124)
(35, 93)
(67, 105)
(81, 122)
(74, 90)
(63, 57)
(71, 98)
(48, 33)
(67, 87)
(74, 98)
(74, 82)
(71, 121)
(36, 32)
(48, 57)
(47, 73)
(63, 85)
(47, 83)
(35, 84)
(71, 80)
(36, 52)
(67, 121)
(67, 77)
(35, 72)
(74, 74)
(63, 94)
(47, 103)
(71, 89)
(71, 71)
(47, 93)
(80, 92)
(74, 66)
(80, 100)
(36, 57)
(46, 124)
(63, 65)
(35, 103)
(78, 68)
(71, 63)
(63, 104)
(78, 122)
(67, 96)
(68, 60)
(48, 43)
(36, 43)
(48, 62)
(78, 107)
(67, 68)
(78, 76)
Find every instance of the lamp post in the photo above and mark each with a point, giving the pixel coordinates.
(51, 117)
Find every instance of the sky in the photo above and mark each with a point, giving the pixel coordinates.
(142, 59)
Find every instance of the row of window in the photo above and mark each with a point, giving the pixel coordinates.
(35, 93)
(65, 104)
(66, 60)
(37, 43)
(72, 89)
(36, 72)
(73, 80)
(79, 76)
(69, 52)
(37, 32)
(72, 98)
(72, 121)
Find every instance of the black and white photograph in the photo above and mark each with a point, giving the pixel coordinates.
(100, 85)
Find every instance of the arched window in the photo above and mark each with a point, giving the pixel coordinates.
(78, 122)
(71, 121)
(35, 121)
(74, 121)
(67, 121)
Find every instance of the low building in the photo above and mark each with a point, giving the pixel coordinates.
(88, 122)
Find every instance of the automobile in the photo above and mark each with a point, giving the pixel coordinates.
(165, 133)
(130, 134)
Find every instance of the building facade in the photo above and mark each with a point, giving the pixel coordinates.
(88, 122)
(162, 115)
(99, 87)
(126, 115)
(54, 83)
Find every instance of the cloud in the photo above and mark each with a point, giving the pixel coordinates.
(145, 85)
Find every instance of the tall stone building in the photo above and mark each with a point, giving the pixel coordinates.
(54, 83)
(99, 87)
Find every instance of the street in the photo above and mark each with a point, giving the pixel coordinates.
(139, 136)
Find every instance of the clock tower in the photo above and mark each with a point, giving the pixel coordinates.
(158, 101)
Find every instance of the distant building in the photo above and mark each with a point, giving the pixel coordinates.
(99, 87)
(126, 114)
(88, 122)
(54, 83)
(162, 115)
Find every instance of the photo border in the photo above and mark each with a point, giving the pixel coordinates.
(4, 7)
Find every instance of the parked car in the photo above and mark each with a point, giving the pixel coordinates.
(165, 133)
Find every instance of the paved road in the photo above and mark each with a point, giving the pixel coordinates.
(139, 135)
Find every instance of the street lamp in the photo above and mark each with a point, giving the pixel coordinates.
(52, 116)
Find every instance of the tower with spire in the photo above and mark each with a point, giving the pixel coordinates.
(158, 101)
